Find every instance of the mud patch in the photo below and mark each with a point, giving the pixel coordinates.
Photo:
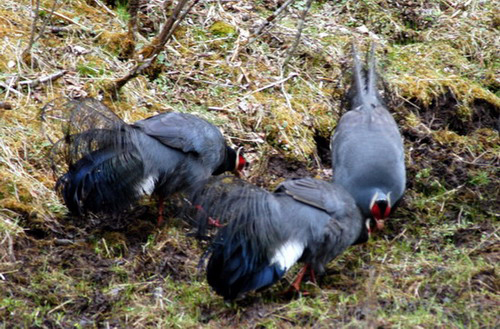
(323, 149)
(279, 168)
(444, 113)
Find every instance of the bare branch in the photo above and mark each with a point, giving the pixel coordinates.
(273, 17)
(133, 8)
(45, 79)
(11, 89)
(34, 38)
(148, 54)
(33, 28)
(299, 33)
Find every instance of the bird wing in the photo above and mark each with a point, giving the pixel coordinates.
(182, 131)
(309, 191)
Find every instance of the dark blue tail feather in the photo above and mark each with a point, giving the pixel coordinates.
(104, 180)
(234, 268)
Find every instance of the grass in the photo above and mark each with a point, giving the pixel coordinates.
(435, 265)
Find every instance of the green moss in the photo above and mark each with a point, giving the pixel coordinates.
(222, 29)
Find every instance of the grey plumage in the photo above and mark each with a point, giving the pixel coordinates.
(111, 164)
(305, 220)
(367, 148)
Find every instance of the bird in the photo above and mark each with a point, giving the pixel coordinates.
(367, 147)
(264, 234)
(112, 164)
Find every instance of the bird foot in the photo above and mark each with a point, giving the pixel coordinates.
(214, 222)
(295, 286)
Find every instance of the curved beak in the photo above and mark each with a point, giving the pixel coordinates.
(380, 224)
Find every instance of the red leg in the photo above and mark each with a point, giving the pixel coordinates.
(298, 280)
(295, 286)
(161, 207)
(211, 221)
(311, 273)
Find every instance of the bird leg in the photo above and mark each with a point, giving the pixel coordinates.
(295, 286)
(214, 222)
(161, 207)
(299, 278)
(211, 221)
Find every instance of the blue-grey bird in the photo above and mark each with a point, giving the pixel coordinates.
(264, 234)
(112, 164)
(367, 148)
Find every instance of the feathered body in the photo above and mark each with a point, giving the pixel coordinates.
(305, 220)
(367, 148)
(112, 164)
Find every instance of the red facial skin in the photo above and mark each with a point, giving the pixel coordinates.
(241, 163)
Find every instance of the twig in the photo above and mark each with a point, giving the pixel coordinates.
(66, 18)
(33, 28)
(34, 39)
(47, 78)
(10, 89)
(285, 94)
(257, 33)
(159, 41)
(181, 18)
(150, 52)
(291, 75)
(271, 18)
(109, 11)
(299, 33)
(132, 74)
(133, 8)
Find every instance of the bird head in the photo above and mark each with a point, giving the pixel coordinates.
(380, 208)
(234, 162)
(241, 162)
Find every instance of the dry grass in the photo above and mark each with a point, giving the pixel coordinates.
(435, 266)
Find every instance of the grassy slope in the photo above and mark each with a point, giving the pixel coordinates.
(436, 265)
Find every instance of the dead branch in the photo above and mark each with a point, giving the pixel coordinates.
(33, 28)
(34, 38)
(103, 6)
(181, 18)
(269, 20)
(161, 39)
(133, 9)
(71, 21)
(45, 79)
(299, 33)
(273, 17)
(148, 53)
(282, 80)
(11, 89)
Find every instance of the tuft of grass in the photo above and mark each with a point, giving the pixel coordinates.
(436, 264)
